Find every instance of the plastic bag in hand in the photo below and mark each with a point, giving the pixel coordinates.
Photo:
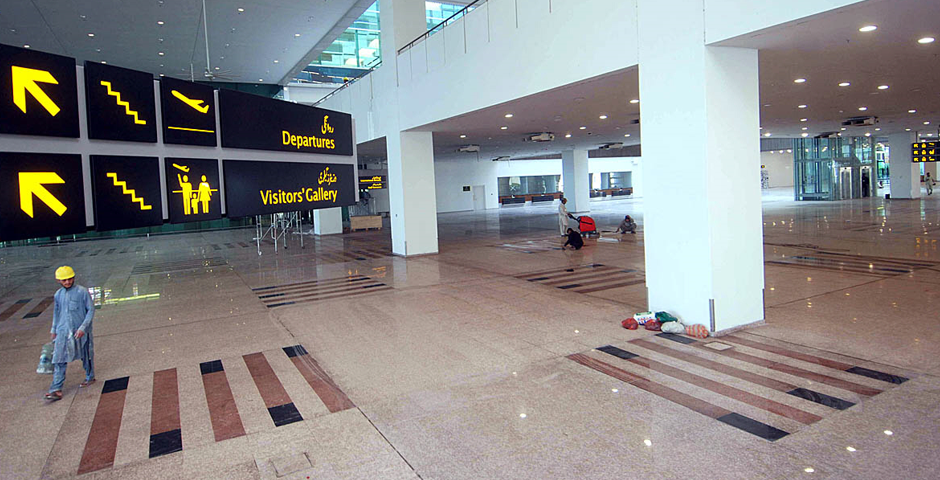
(45, 359)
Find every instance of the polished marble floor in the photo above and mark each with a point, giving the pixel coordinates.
(500, 357)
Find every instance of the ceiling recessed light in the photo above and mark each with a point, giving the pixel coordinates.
(926, 40)
(160, 53)
(26, 46)
(91, 34)
(240, 9)
(567, 135)
(878, 129)
(626, 135)
(804, 119)
(260, 79)
(862, 109)
(275, 61)
(582, 128)
(907, 129)
(504, 128)
(296, 35)
(867, 134)
(463, 136)
(868, 28)
(800, 80)
(159, 22)
(767, 134)
(508, 115)
(912, 111)
(603, 117)
(804, 134)
(805, 128)
(843, 129)
(104, 62)
(882, 87)
(801, 106)
(926, 123)
(216, 68)
(634, 101)
(844, 84)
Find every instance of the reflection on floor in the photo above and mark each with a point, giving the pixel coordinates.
(500, 357)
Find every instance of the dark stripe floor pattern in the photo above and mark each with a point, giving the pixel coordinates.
(588, 278)
(317, 290)
(765, 389)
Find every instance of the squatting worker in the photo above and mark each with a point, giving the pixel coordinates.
(627, 225)
(563, 217)
(574, 239)
(71, 317)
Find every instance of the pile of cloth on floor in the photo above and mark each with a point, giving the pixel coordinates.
(664, 322)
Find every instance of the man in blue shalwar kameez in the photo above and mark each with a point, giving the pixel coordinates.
(71, 322)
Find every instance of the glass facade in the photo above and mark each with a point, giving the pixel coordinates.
(438, 12)
(529, 185)
(357, 49)
(834, 168)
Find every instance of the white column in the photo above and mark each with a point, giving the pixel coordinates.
(574, 178)
(904, 174)
(328, 221)
(412, 196)
(701, 161)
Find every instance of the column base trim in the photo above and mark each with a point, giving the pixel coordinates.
(731, 330)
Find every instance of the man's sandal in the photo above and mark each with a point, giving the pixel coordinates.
(87, 383)
(53, 396)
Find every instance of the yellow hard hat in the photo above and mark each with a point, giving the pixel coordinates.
(64, 272)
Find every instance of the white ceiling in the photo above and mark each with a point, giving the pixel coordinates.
(126, 33)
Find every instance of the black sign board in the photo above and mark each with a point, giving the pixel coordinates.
(374, 182)
(127, 192)
(261, 123)
(188, 113)
(926, 152)
(38, 93)
(192, 190)
(120, 104)
(41, 195)
(256, 188)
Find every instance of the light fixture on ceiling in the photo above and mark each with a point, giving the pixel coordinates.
(160, 53)
(276, 61)
(926, 40)
(767, 134)
(867, 134)
(907, 129)
(862, 109)
(582, 128)
(882, 87)
(260, 79)
(463, 136)
(804, 134)
(26, 46)
(508, 115)
(843, 129)
(912, 111)
(216, 68)
(635, 101)
(801, 106)
(799, 80)
(159, 22)
(504, 128)
(868, 28)
(926, 123)
(844, 84)
(626, 135)
(805, 128)
(878, 129)
(567, 135)
(804, 119)
(240, 9)
(91, 34)
(104, 62)
(296, 35)
(603, 117)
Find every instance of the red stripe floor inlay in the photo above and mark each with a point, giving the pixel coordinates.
(103, 437)
(223, 413)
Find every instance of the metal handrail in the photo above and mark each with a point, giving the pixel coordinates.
(432, 31)
(346, 84)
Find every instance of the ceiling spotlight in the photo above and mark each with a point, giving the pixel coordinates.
(26, 46)
(603, 117)
(635, 101)
(767, 134)
(160, 74)
(805, 128)
(868, 28)
(275, 61)
(104, 62)
(504, 128)
(843, 129)
(582, 127)
(926, 40)
(508, 115)
(862, 109)
(804, 119)
(463, 136)
(800, 80)
(804, 134)
(867, 134)
(91, 34)
(626, 135)
(878, 129)
(844, 84)
(159, 22)
(907, 129)
(882, 87)
(912, 111)
(296, 35)
(801, 106)
(260, 79)
(240, 9)
(926, 123)
(567, 135)
(160, 53)
(216, 68)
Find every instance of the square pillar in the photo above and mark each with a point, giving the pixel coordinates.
(412, 194)
(903, 172)
(703, 228)
(328, 221)
(574, 178)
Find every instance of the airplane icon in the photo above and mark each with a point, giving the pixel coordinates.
(195, 104)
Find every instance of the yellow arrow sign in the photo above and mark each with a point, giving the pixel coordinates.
(25, 79)
(31, 183)
(195, 104)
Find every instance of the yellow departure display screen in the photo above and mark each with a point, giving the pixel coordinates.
(192, 189)
(38, 93)
(41, 195)
(188, 111)
(120, 104)
(127, 192)
(926, 152)
(374, 182)
(256, 188)
(261, 123)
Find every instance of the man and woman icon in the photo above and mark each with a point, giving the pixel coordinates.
(191, 199)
